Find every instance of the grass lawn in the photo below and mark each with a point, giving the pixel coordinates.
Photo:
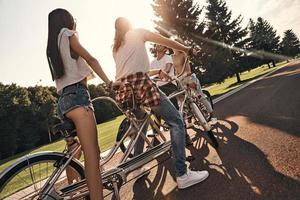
(230, 83)
(107, 131)
(106, 137)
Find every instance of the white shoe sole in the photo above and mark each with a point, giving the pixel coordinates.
(193, 183)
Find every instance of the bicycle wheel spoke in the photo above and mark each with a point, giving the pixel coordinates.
(32, 178)
(40, 180)
(23, 179)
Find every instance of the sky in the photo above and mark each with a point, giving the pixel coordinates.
(23, 32)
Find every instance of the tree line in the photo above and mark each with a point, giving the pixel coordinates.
(26, 111)
(226, 48)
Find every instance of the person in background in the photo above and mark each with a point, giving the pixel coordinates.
(71, 67)
(132, 66)
(164, 62)
(182, 67)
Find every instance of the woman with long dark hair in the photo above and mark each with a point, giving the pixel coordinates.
(71, 66)
(132, 65)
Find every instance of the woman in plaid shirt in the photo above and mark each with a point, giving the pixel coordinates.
(132, 65)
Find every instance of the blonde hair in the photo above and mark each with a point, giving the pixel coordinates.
(122, 26)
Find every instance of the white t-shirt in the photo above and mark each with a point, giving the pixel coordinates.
(161, 64)
(132, 56)
(75, 69)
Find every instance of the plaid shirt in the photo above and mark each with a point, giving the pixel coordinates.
(145, 91)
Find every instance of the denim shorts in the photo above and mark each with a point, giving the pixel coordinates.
(73, 96)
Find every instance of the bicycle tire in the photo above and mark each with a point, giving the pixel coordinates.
(208, 96)
(26, 165)
(200, 117)
(124, 126)
(213, 139)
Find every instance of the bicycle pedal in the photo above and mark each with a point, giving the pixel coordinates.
(190, 158)
(151, 135)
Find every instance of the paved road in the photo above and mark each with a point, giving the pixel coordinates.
(259, 153)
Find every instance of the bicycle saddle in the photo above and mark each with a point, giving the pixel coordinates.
(66, 126)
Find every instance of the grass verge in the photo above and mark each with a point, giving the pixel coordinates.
(231, 83)
(106, 137)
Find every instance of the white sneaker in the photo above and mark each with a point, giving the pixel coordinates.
(191, 178)
(140, 172)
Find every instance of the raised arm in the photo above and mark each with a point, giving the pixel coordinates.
(159, 39)
(93, 62)
(168, 67)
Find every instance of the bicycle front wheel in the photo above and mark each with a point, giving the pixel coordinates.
(208, 97)
(25, 178)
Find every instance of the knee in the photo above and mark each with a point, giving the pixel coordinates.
(177, 121)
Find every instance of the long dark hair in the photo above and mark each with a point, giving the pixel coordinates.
(122, 26)
(57, 19)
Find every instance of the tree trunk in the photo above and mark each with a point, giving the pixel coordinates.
(238, 78)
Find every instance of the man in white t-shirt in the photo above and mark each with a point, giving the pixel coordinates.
(164, 62)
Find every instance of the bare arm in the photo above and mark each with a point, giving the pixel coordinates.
(168, 67)
(159, 39)
(187, 66)
(93, 62)
(181, 64)
(153, 72)
(161, 73)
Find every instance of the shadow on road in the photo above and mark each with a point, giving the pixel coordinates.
(238, 170)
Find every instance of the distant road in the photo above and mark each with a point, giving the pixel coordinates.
(259, 153)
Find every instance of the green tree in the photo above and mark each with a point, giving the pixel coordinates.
(263, 36)
(43, 108)
(14, 102)
(104, 110)
(25, 112)
(182, 19)
(290, 44)
(222, 33)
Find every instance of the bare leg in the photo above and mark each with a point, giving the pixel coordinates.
(85, 123)
(71, 175)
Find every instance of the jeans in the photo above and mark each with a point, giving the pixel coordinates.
(174, 120)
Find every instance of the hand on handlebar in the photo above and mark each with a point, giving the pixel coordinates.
(164, 76)
(193, 51)
(112, 87)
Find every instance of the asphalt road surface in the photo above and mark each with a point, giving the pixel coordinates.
(259, 153)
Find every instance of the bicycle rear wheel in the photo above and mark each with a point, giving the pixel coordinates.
(25, 179)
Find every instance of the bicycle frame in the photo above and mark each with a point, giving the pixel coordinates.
(136, 126)
(188, 100)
